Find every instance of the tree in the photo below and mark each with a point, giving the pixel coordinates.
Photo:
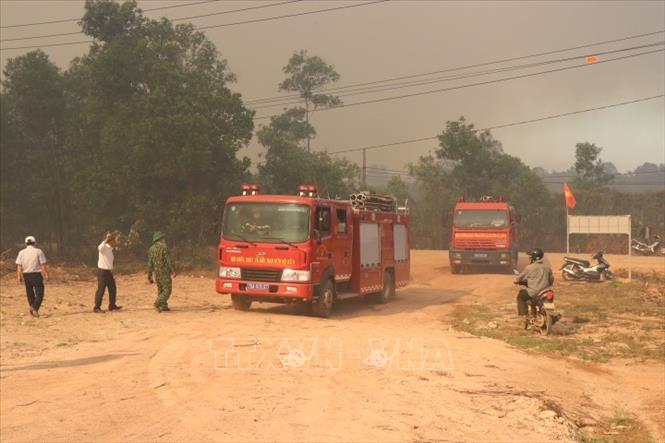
(140, 133)
(471, 154)
(589, 167)
(307, 75)
(35, 190)
(286, 165)
(646, 168)
(473, 164)
(398, 188)
(610, 168)
(106, 20)
(164, 120)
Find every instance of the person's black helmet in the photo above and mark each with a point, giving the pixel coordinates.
(536, 254)
(598, 255)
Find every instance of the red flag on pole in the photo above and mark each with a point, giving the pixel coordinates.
(570, 198)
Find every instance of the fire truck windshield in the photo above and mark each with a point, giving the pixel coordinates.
(266, 222)
(481, 219)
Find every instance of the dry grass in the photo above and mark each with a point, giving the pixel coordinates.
(623, 427)
(601, 321)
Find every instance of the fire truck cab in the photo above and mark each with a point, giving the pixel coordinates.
(484, 233)
(305, 249)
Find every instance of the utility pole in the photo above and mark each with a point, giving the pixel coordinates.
(364, 177)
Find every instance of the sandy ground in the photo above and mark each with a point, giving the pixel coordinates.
(204, 372)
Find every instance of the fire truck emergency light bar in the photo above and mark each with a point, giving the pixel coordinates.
(250, 189)
(307, 191)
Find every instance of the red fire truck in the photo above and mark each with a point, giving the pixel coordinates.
(305, 249)
(484, 233)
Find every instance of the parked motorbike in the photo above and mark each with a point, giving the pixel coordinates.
(578, 269)
(655, 248)
(542, 313)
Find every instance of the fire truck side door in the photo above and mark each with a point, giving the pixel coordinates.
(325, 245)
(342, 256)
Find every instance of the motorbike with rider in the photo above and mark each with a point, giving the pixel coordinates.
(538, 295)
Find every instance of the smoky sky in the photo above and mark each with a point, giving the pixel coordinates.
(400, 38)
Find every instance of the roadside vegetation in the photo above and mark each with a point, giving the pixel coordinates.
(601, 321)
(622, 427)
(144, 131)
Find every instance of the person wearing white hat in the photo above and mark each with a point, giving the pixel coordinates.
(31, 270)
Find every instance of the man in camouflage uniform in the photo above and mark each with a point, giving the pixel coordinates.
(161, 265)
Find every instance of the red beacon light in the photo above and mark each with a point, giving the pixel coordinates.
(250, 189)
(307, 191)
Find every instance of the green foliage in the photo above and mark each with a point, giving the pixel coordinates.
(106, 19)
(433, 203)
(306, 76)
(399, 188)
(150, 129)
(286, 165)
(472, 163)
(649, 168)
(471, 155)
(34, 188)
(591, 169)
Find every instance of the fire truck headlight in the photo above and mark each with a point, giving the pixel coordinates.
(505, 255)
(229, 272)
(457, 255)
(293, 275)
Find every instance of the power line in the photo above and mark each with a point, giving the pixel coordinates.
(629, 174)
(615, 184)
(553, 178)
(459, 68)
(179, 19)
(387, 170)
(506, 125)
(382, 88)
(201, 28)
(487, 82)
(79, 18)
(293, 15)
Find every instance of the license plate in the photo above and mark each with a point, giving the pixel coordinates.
(259, 286)
(548, 305)
(480, 255)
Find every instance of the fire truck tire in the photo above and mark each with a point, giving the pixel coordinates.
(455, 269)
(388, 289)
(322, 306)
(241, 302)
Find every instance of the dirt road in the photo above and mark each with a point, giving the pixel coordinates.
(395, 372)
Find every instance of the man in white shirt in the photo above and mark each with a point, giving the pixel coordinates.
(31, 270)
(105, 274)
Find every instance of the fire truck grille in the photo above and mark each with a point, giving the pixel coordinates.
(475, 244)
(261, 274)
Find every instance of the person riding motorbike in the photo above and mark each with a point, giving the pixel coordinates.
(538, 277)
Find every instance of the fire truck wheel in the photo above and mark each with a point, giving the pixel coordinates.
(455, 269)
(322, 306)
(241, 302)
(388, 288)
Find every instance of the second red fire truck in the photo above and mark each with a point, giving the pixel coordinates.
(484, 233)
(305, 249)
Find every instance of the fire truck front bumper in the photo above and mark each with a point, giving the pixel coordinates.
(480, 257)
(280, 292)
